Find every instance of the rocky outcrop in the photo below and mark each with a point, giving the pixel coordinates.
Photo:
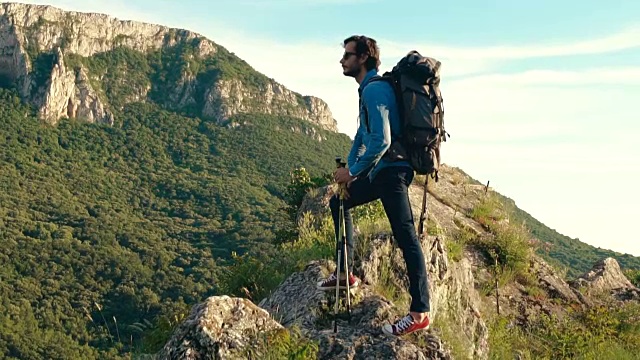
(234, 328)
(319, 112)
(298, 303)
(68, 94)
(554, 285)
(455, 303)
(44, 28)
(184, 92)
(228, 97)
(27, 31)
(219, 328)
(454, 300)
(544, 293)
(458, 310)
(606, 277)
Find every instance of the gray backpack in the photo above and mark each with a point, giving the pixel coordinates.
(415, 80)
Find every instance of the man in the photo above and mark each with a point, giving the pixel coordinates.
(370, 176)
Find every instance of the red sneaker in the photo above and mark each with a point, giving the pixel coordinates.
(330, 283)
(405, 325)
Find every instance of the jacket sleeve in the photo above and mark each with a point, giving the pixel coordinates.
(356, 149)
(376, 101)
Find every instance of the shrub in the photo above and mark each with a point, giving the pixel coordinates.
(255, 274)
(510, 244)
(282, 344)
(600, 332)
(633, 276)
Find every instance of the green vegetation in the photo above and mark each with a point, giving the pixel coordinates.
(633, 276)
(282, 344)
(602, 332)
(509, 247)
(599, 332)
(457, 241)
(611, 331)
(568, 254)
(107, 227)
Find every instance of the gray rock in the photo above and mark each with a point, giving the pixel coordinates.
(606, 277)
(297, 303)
(69, 94)
(219, 328)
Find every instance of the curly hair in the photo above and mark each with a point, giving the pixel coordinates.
(368, 46)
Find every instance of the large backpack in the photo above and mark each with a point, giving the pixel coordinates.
(416, 83)
(415, 80)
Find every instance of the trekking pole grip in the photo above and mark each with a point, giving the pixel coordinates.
(343, 187)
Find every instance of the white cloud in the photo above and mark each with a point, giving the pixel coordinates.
(590, 76)
(626, 39)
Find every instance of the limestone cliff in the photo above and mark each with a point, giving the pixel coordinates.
(68, 93)
(35, 40)
(229, 97)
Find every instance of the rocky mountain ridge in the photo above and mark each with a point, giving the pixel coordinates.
(37, 41)
(232, 328)
(459, 311)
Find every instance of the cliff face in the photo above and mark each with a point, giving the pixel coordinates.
(68, 93)
(273, 98)
(27, 31)
(35, 41)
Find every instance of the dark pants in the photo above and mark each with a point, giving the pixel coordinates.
(390, 186)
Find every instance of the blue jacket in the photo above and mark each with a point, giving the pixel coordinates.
(365, 157)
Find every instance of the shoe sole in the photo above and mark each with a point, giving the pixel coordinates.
(398, 336)
(325, 288)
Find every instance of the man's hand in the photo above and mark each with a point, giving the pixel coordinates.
(342, 176)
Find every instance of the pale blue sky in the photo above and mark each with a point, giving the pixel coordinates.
(531, 88)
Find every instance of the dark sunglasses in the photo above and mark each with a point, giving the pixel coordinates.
(346, 55)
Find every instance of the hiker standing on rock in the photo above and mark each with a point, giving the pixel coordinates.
(370, 176)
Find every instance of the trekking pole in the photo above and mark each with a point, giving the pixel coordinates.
(345, 253)
(423, 215)
(341, 245)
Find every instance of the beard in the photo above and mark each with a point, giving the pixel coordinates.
(351, 72)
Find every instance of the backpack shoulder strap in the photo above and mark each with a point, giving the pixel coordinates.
(373, 79)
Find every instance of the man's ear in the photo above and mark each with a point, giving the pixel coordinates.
(363, 59)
